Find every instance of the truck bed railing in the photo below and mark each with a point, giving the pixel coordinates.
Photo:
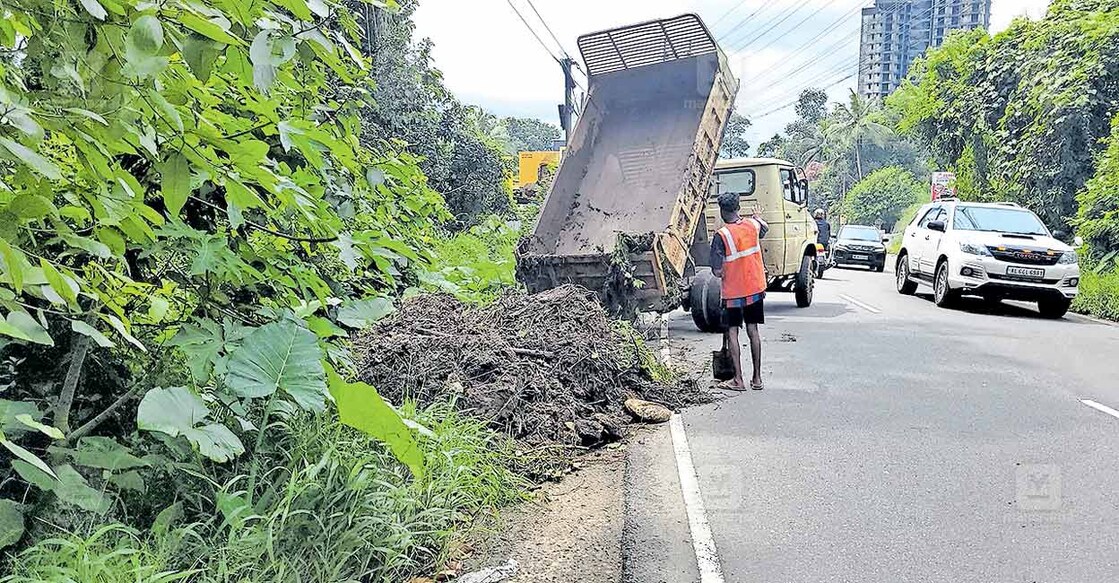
(647, 43)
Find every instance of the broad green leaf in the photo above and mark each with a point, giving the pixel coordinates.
(51, 432)
(11, 523)
(30, 207)
(129, 481)
(21, 325)
(35, 476)
(324, 328)
(157, 308)
(279, 356)
(260, 53)
(360, 407)
(172, 411)
(176, 183)
(145, 35)
(73, 489)
(28, 457)
(346, 252)
(13, 264)
(200, 53)
(95, 9)
(364, 313)
(9, 413)
(85, 329)
(216, 442)
(28, 156)
(87, 113)
(112, 239)
(95, 248)
(209, 28)
(58, 283)
(122, 329)
(167, 518)
(167, 112)
(105, 453)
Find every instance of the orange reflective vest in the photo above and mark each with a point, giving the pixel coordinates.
(743, 269)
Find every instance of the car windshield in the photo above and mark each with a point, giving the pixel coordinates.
(860, 234)
(999, 220)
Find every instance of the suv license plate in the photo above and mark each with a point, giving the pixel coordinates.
(860, 257)
(1026, 272)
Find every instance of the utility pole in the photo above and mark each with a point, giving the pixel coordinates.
(567, 109)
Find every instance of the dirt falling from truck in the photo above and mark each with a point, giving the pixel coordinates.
(551, 370)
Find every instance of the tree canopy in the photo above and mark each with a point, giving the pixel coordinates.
(881, 197)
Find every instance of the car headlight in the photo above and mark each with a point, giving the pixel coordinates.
(973, 249)
(1068, 258)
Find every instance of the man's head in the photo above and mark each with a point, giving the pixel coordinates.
(819, 214)
(729, 204)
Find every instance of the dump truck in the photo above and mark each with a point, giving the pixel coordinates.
(624, 213)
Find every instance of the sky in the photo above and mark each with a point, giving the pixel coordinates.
(490, 58)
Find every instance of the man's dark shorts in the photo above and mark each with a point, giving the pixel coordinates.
(751, 314)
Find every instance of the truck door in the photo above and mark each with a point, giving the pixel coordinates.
(795, 217)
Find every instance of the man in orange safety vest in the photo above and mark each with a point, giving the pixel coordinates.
(736, 257)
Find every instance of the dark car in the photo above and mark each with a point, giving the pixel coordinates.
(860, 245)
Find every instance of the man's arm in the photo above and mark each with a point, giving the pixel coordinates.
(763, 227)
(718, 254)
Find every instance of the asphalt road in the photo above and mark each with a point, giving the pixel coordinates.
(896, 441)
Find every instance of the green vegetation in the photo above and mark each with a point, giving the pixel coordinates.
(337, 508)
(881, 197)
(1099, 295)
(203, 202)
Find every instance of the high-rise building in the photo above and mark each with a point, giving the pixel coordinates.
(896, 32)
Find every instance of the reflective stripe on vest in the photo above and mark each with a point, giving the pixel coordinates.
(743, 269)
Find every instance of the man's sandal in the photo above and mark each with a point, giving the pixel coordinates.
(757, 386)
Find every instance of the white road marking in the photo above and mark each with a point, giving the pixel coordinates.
(707, 557)
(853, 301)
(1100, 408)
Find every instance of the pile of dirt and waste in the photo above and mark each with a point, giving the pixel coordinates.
(547, 369)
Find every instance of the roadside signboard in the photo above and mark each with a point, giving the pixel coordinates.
(942, 185)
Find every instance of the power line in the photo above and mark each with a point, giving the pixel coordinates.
(772, 24)
(727, 13)
(547, 28)
(794, 27)
(533, 31)
(744, 21)
(806, 45)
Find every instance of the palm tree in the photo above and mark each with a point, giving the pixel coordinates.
(852, 124)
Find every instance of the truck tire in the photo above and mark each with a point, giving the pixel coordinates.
(706, 299)
(804, 283)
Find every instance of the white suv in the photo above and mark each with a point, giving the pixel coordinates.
(997, 251)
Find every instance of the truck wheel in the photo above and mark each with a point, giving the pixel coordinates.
(706, 299)
(1054, 308)
(804, 283)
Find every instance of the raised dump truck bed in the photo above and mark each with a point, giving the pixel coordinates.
(633, 182)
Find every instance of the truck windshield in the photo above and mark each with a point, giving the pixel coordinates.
(860, 234)
(740, 182)
(998, 220)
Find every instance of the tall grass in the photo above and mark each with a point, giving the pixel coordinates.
(332, 505)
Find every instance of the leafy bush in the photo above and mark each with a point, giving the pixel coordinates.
(476, 264)
(1099, 295)
(1098, 218)
(880, 198)
(335, 505)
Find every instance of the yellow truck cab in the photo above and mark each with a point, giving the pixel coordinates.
(779, 191)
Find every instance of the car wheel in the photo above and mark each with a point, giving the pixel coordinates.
(906, 286)
(804, 283)
(943, 294)
(1054, 308)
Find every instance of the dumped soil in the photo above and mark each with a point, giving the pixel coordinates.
(550, 369)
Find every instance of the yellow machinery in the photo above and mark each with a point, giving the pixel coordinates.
(532, 163)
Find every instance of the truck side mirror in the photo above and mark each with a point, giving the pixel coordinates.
(804, 190)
